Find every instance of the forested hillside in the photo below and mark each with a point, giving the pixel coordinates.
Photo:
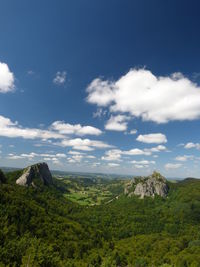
(42, 227)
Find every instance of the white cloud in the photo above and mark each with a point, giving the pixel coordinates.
(77, 129)
(30, 72)
(142, 94)
(55, 161)
(99, 113)
(192, 145)
(60, 77)
(137, 151)
(6, 79)
(100, 92)
(12, 156)
(181, 144)
(138, 166)
(110, 164)
(78, 157)
(145, 151)
(33, 155)
(143, 162)
(13, 130)
(117, 123)
(57, 130)
(112, 155)
(30, 155)
(134, 131)
(156, 138)
(183, 158)
(116, 154)
(96, 164)
(83, 144)
(61, 155)
(71, 152)
(90, 157)
(170, 166)
(158, 148)
(75, 159)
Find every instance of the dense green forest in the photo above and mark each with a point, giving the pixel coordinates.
(43, 227)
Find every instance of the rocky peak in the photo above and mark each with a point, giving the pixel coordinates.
(150, 186)
(35, 173)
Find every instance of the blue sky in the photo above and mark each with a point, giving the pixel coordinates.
(101, 86)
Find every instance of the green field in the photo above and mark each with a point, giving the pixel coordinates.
(91, 192)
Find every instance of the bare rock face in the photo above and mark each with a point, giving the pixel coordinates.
(38, 172)
(150, 186)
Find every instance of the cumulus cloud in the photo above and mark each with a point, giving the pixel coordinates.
(71, 152)
(60, 77)
(58, 130)
(144, 95)
(171, 166)
(100, 92)
(99, 113)
(13, 156)
(116, 154)
(83, 144)
(143, 162)
(110, 164)
(75, 159)
(6, 79)
(30, 72)
(53, 158)
(156, 138)
(192, 145)
(145, 151)
(78, 157)
(13, 130)
(112, 155)
(138, 166)
(184, 158)
(60, 155)
(90, 157)
(117, 123)
(158, 148)
(133, 131)
(77, 129)
(137, 152)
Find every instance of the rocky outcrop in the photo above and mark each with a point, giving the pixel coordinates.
(150, 186)
(35, 173)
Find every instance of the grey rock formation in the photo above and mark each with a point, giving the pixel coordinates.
(150, 186)
(39, 171)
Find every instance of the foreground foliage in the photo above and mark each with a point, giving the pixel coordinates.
(40, 227)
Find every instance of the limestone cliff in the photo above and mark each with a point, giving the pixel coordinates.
(35, 173)
(150, 186)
